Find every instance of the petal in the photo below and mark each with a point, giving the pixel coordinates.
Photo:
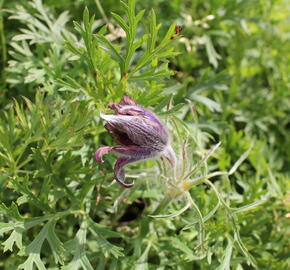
(125, 101)
(132, 151)
(102, 151)
(118, 136)
(127, 109)
(130, 154)
(119, 171)
(140, 130)
(135, 151)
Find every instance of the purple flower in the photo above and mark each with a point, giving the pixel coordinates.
(139, 134)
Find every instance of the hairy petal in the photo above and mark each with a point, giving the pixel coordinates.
(140, 130)
(130, 154)
(135, 151)
(119, 172)
(126, 150)
(139, 133)
(118, 136)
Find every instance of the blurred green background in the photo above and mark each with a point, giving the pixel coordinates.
(233, 67)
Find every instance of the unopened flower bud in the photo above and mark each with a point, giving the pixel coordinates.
(139, 133)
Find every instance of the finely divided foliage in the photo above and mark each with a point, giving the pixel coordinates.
(219, 203)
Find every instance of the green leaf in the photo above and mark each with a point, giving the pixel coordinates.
(209, 103)
(15, 237)
(80, 258)
(153, 30)
(166, 40)
(183, 247)
(11, 212)
(31, 260)
(219, 81)
(109, 47)
(74, 49)
(139, 16)
(35, 246)
(205, 218)
(173, 110)
(86, 17)
(5, 227)
(175, 214)
(241, 159)
(54, 243)
(21, 185)
(213, 56)
(121, 22)
(225, 265)
(103, 230)
(107, 247)
(164, 102)
(151, 76)
(33, 250)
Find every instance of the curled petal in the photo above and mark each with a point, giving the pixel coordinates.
(102, 151)
(119, 171)
(130, 153)
(133, 151)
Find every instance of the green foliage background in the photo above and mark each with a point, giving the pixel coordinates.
(225, 78)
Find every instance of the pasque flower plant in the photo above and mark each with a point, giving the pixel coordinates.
(139, 134)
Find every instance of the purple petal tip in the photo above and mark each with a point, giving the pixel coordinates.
(101, 152)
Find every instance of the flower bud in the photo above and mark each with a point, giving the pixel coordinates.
(139, 134)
